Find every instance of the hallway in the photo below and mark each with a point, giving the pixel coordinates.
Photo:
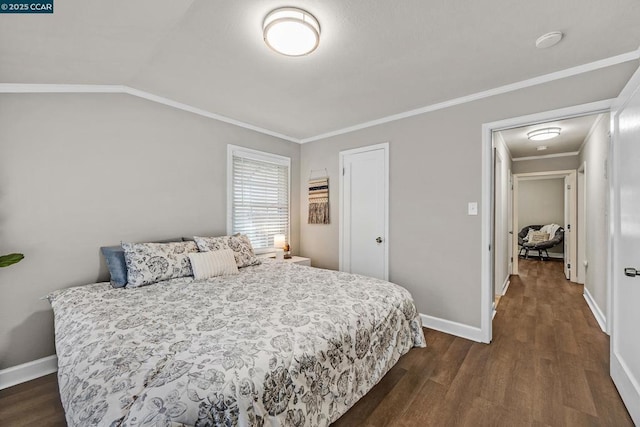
(548, 365)
(561, 362)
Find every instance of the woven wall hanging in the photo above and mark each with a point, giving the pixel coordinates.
(319, 201)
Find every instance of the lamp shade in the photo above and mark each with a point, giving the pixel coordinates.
(279, 241)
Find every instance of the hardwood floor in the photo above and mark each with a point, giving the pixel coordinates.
(548, 365)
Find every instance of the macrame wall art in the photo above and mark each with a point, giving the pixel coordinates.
(319, 199)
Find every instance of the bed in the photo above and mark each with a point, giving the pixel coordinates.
(279, 344)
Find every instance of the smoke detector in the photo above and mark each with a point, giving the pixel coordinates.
(550, 39)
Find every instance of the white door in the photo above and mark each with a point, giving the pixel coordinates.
(567, 229)
(500, 227)
(625, 338)
(364, 211)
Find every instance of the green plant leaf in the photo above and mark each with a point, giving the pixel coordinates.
(7, 260)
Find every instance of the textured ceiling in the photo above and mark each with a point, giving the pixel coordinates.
(376, 58)
(572, 134)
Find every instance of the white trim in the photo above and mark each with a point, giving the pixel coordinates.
(627, 385)
(505, 286)
(59, 88)
(261, 156)
(595, 309)
(28, 371)
(545, 78)
(486, 297)
(546, 156)
(452, 328)
(382, 146)
(199, 111)
(71, 88)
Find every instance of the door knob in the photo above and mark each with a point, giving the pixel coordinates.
(379, 240)
(631, 272)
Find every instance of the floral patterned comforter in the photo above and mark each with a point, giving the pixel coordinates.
(277, 345)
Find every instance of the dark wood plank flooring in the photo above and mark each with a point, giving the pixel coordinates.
(548, 365)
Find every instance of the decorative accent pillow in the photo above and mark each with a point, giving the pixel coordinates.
(149, 263)
(114, 257)
(527, 238)
(213, 263)
(117, 265)
(239, 243)
(539, 236)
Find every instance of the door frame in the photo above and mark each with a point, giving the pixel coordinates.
(486, 297)
(341, 235)
(582, 257)
(573, 213)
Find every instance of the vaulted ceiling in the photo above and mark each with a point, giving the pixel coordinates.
(375, 59)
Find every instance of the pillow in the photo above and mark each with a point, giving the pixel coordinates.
(527, 238)
(114, 257)
(148, 263)
(239, 243)
(539, 236)
(116, 264)
(213, 263)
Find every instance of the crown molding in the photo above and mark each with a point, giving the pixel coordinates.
(199, 111)
(546, 78)
(71, 88)
(59, 88)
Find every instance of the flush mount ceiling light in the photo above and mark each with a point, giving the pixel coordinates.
(291, 31)
(543, 134)
(549, 39)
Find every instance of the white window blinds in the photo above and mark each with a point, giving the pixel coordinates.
(258, 196)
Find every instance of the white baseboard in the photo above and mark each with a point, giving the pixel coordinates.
(533, 254)
(452, 328)
(505, 285)
(597, 313)
(627, 386)
(28, 371)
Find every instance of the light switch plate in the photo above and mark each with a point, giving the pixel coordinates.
(473, 208)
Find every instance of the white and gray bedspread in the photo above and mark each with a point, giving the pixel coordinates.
(277, 345)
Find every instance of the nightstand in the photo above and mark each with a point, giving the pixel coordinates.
(300, 260)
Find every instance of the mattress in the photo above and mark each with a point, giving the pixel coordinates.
(278, 344)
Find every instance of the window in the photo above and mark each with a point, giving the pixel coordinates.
(257, 195)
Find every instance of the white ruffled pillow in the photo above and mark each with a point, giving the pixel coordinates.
(213, 263)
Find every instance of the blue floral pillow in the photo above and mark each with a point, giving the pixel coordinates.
(149, 263)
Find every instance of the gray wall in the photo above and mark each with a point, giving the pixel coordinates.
(78, 171)
(544, 165)
(594, 154)
(541, 201)
(435, 170)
